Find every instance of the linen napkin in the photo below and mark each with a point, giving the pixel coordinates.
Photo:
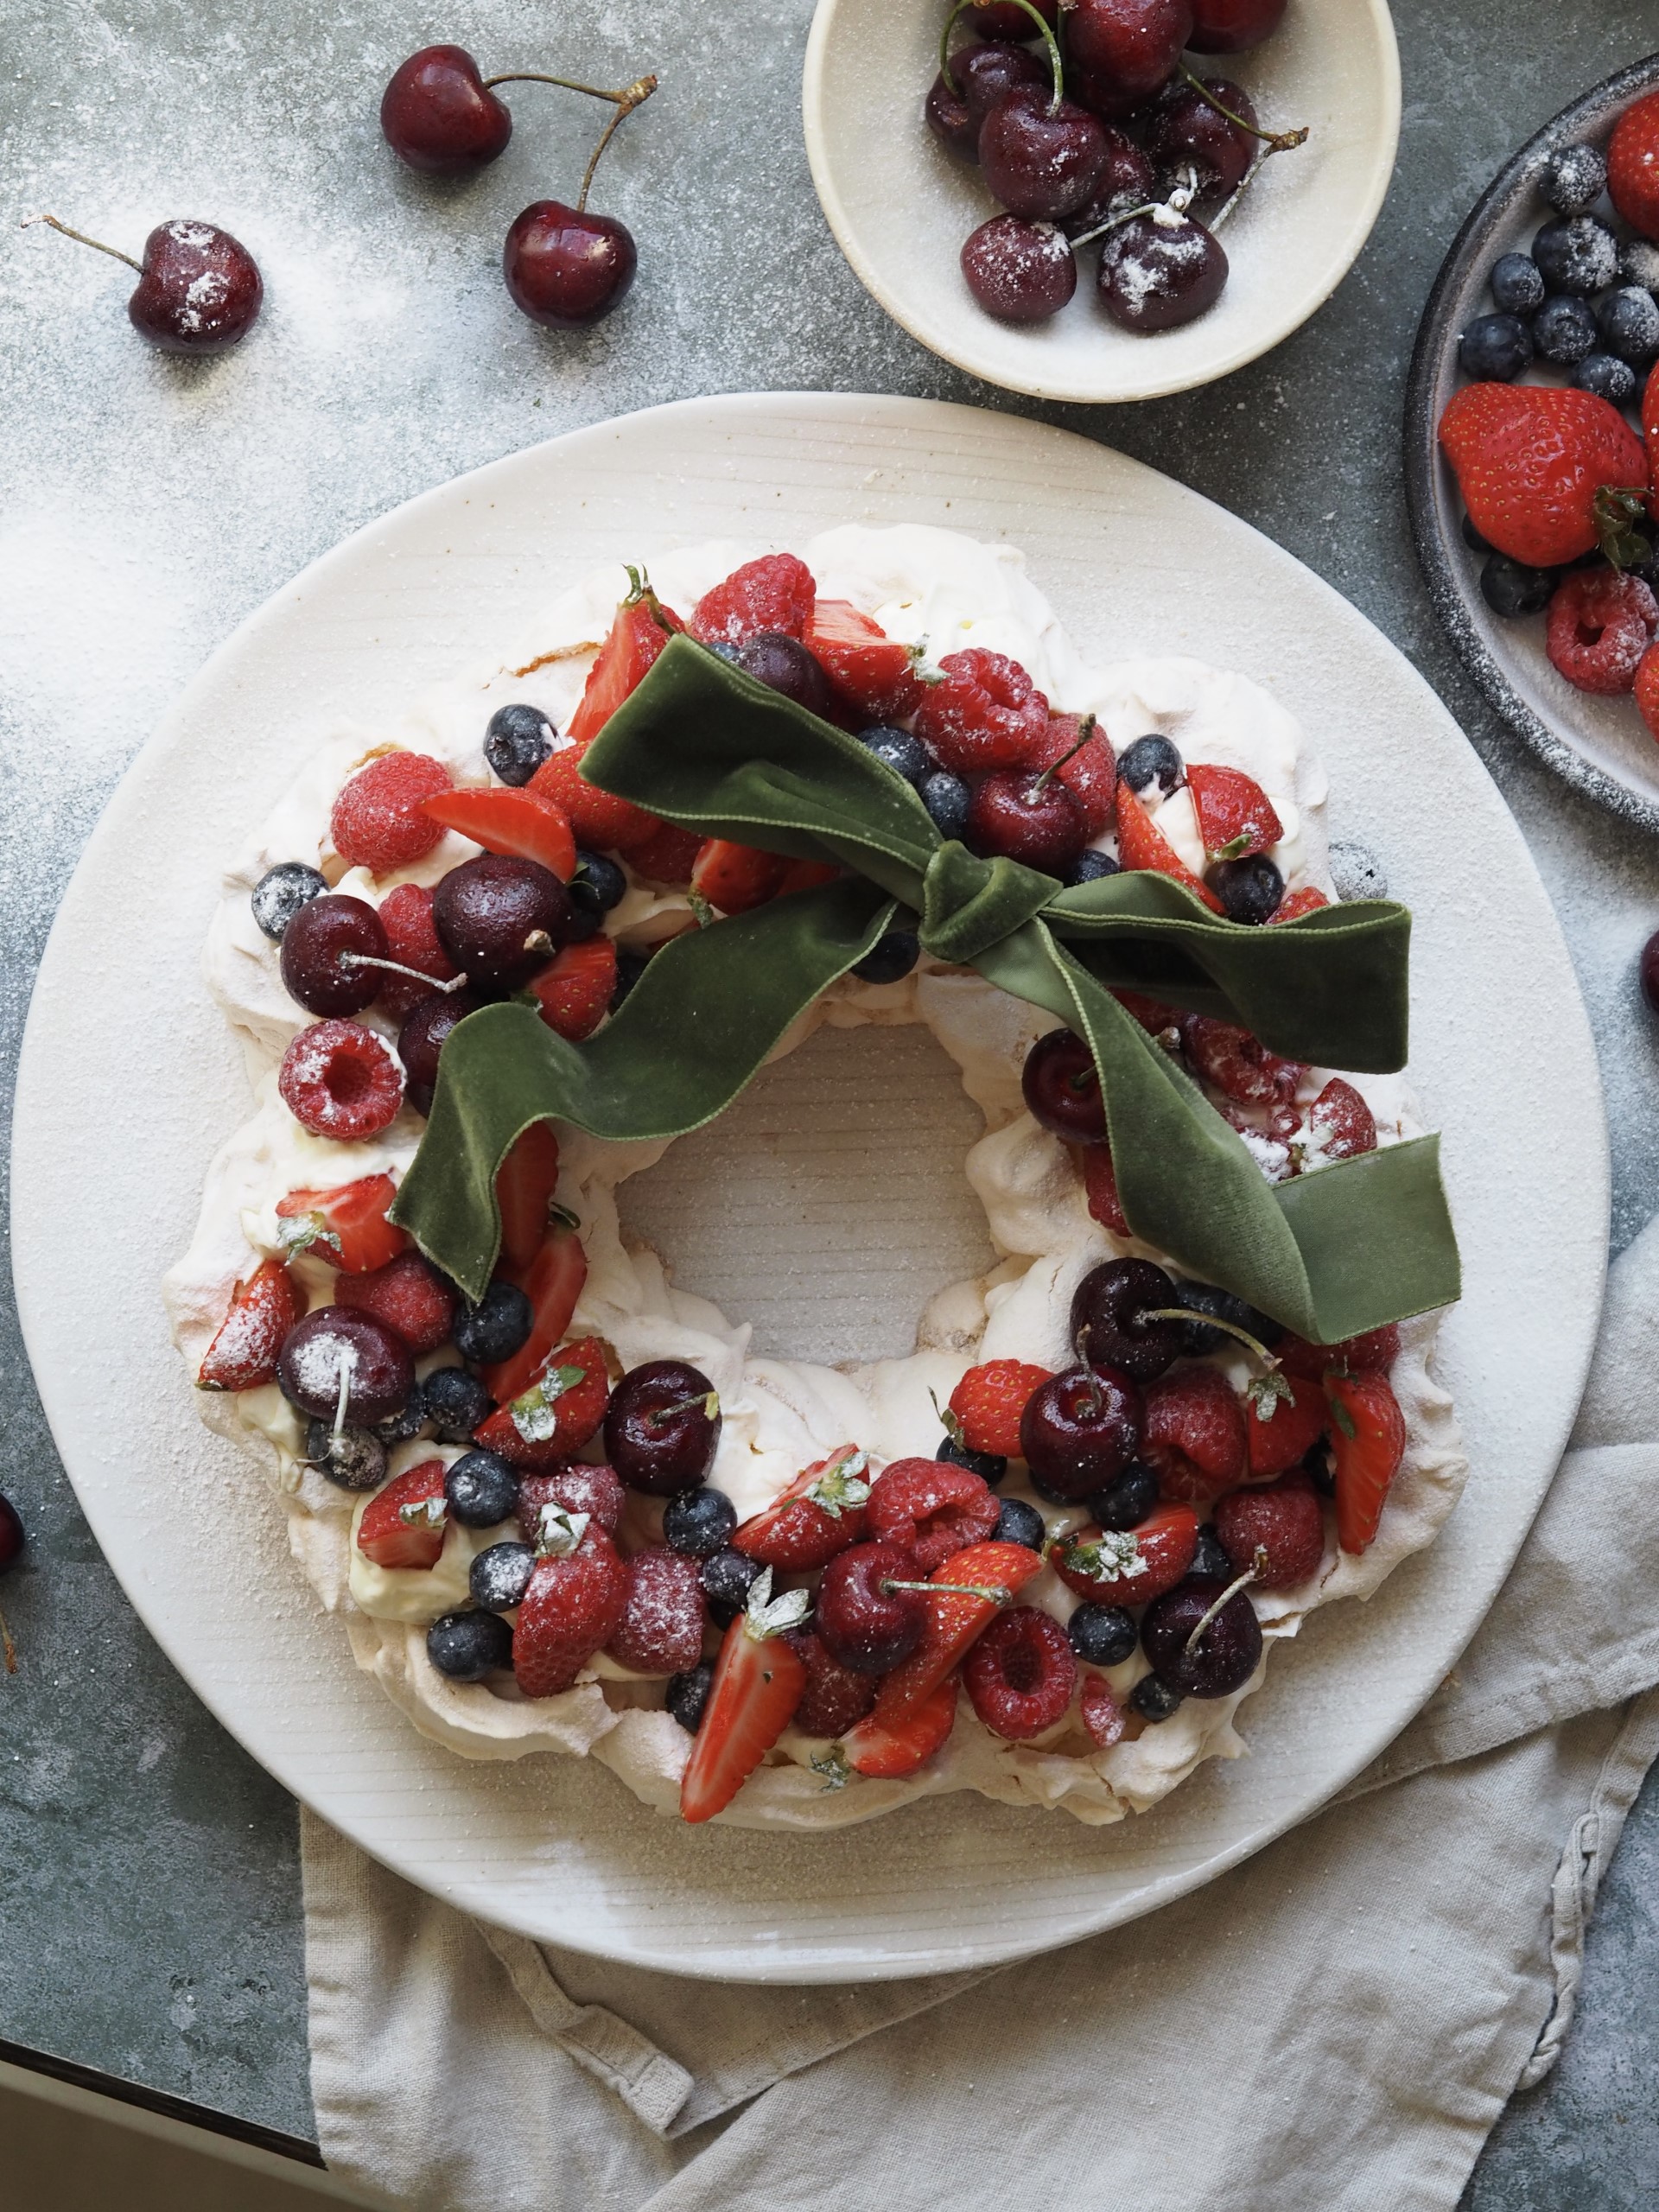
(1337, 2023)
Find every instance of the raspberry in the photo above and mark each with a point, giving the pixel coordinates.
(775, 592)
(667, 856)
(580, 1487)
(1307, 900)
(1374, 1353)
(556, 1411)
(572, 1609)
(1193, 1433)
(661, 1629)
(933, 1507)
(1340, 1126)
(1236, 1063)
(338, 1080)
(574, 991)
(1091, 774)
(1020, 1674)
(985, 712)
(1102, 1716)
(412, 941)
(1100, 1183)
(376, 822)
(1599, 626)
(599, 820)
(410, 1296)
(1282, 1519)
(835, 1699)
(989, 1401)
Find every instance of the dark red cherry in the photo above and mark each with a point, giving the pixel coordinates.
(660, 1434)
(1224, 1657)
(1079, 1430)
(12, 1538)
(1128, 179)
(567, 267)
(500, 918)
(947, 116)
(198, 289)
(1041, 165)
(1027, 816)
(338, 1339)
(1233, 26)
(865, 1628)
(327, 949)
(1061, 1085)
(1188, 134)
(1107, 1326)
(1019, 272)
(1125, 50)
(438, 115)
(987, 74)
(1001, 19)
(421, 1040)
(1159, 270)
(1649, 971)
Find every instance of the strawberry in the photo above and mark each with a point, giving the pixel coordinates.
(1103, 1717)
(667, 856)
(1085, 764)
(835, 1699)
(524, 1183)
(1278, 1529)
(502, 820)
(1100, 1185)
(1142, 844)
(661, 1629)
(642, 627)
(737, 878)
(1368, 1441)
(412, 941)
(1238, 1064)
(806, 875)
(1530, 461)
(582, 1487)
(875, 672)
(1281, 1430)
(346, 1226)
(573, 992)
(1128, 1566)
(989, 1401)
(1295, 904)
(599, 820)
(980, 1580)
(759, 1682)
(1647, 688)
(265, 1307)
(574, 1606)
(1193, 1433)
(378, 821)
(404, 1523)
(1236, 815)
(408, 1294)
(556, 1413)
(1340, 1126)
(1633, 165)
(887, 1748)
(1153, 1016)
(1376, 1352)
(774, 593)
(820, 1514)
(931, 1507)
(552, 1283)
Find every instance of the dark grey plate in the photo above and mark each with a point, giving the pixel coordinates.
(1600, 746)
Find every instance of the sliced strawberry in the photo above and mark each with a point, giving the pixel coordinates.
(521, 823)
(737, 878)
(573, 992)
(1085, 765)
(1100, 1185)
(1153, 1016)
(524, 1184)
(1368, 1441)
(1283, 1431)
(346, 1226)
(599, 820)
(1193, 1433)
(1142, 844)
(759, 1682)
(1307, 900)
(806, 875)
(552, 1283)
(1128, 1566)
(265, 1307)
(774, 593)
(820, 1514)
(667, 856)
(642, 627)
(574, 1606)
(1377, 1349)
(1236, 815)
(957, 1617)
(1340, 1126)
(875, 672)
(557, 1413)
(897, 1745)
(404, 1524)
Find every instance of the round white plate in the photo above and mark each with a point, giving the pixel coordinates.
(129, 1079)
(900, 205)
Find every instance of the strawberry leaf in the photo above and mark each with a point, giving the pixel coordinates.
(1618, 509)
(558, 1532)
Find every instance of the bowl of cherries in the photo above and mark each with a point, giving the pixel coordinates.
(1101, 199)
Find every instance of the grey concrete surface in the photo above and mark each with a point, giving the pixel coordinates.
(150, 1916)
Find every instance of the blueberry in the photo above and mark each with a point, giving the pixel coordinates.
(1510, 588)
(598, 884)
(517, 741)
(1577, 254)
(904, 754)
(1574, 178)
(1151, 760)
(1093, 868)
(356, 1459)
(1356, 870)
(1638, 263)
(280, 894)
(1126, 1501)
(630, 967)
(410, 1420)
(946, 798)
(1020, 1524)
(1203, 1299)
(1318, 1468)
(1472, 538)
(1564, 331)
(1211, 1557)
(1495, 349)
(499, 1326)
(481, 1490)
(722, 649)
(1628, 322)
(1517, 288)
(1153, 1700)
(890, 958)
(1606, 376)
(499, 1577)
(456, 1404)
(468, 1646)
(726, 1578)
(698, 1524)
(1249, 890)
(989, 1467)
(1103, 1635)
(687, 1694)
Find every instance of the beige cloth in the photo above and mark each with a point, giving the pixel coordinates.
(1336, 2024)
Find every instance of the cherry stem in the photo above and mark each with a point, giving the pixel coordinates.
(993, 1592)
(1269, 1360)
(568, 84)
(1257, 1566)
(81, 237)
(1116, 222)
(339, 1403)
(665, 1414)
(7, 1646)
(1057, 67)
(626, 101)
(397, 968)
(1086, 730)
(1277, 142)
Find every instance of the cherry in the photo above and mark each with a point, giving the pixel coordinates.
(1125, 50)
(421, 1039)
(1026, 816)
(945, 113)
(336, 1342)
(1061, 1085)
(1233, 26)
(983, 76)
(1159, 270)
(567, 267)
(1019, 272)
(1128, 181)
(1079, 1430)
(1106, 1324)
(662, 1426)
(198, 289)
(1041, 159)
(1223, 1658)
(865, 1627)
(1006, 19)
(438, 114)
(12, 1538)
(1192, 133)
(326, 949)
(500, 918)
(1649, 971)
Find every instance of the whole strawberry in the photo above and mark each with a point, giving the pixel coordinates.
(1633, 165)
(1533, 464)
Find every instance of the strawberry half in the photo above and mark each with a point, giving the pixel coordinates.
(821, 1513)
(1282, 1431)
(888, 1748)
(1530, 461)
(1307, 900)
(559, 1412)
(759, 1682)
(1142, 844)
(737, 878)
(519, 823)
(265, 1307)
(980, 1580)
(574, 992)
(875, 672)
(1128, 1566)
(346, 1226)
(642, 627)
(404, 1524)
(1368, 1442)
(1236, 815)
(600, 820)
(524, 1184)
(552, 1283)
(577, 1595)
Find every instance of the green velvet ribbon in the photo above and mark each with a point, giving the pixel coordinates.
(1330, 1254)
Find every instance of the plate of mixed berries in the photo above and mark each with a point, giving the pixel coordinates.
(1530, 419)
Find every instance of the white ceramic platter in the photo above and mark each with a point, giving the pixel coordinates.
(129, 1079)
(900, 205)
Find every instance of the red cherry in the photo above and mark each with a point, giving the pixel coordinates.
(1042, 162)
(1019, 272)
(438, 115)
(1028, 818)
(1159, 270)
(1650, 972)
(1061, 1086)
(567, 267)
(1191, 132)
(198, 289)
(1124, 50)
(1006, 19)
(1233, 26)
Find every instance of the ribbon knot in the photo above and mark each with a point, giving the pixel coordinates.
(969, 905)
